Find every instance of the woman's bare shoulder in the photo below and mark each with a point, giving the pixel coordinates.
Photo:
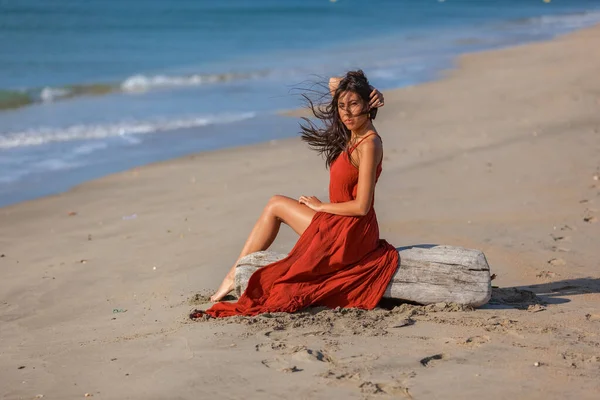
(372, 141)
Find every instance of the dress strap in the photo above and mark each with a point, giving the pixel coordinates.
(360, 141)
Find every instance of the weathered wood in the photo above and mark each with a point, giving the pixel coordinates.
(427, 274)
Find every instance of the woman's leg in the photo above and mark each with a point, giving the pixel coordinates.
(279, 209)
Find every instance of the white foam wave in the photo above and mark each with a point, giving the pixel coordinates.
(556, 23)
(50, 94)
(40, 136)
(139, 83)
(54, 164)
(569, 21)
(89, 148)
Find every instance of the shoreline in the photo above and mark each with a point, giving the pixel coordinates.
(502, 154)
(303, 112)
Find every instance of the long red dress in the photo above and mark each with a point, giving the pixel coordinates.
(338, 261)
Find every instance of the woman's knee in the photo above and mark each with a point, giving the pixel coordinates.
(273, 207)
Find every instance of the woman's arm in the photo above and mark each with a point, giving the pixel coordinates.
(370, 153)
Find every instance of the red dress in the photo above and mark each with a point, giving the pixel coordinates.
(338, 261)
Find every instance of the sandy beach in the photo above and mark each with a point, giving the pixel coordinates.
(501, 154)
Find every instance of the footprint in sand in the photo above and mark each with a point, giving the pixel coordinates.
(271, 346)
(592, 317)
(477, 341)
(547, 275)
(280, 365)
(368, 387)
(557, 262)
(298, 356)
(560, 238)
(301, 353)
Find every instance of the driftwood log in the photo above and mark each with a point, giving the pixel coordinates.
(427, 274)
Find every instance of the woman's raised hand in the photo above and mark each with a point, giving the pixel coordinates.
(376, 99)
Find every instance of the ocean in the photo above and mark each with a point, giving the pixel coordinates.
(89, 88)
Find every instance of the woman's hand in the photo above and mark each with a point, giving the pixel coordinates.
(311, 202)
(376, 99)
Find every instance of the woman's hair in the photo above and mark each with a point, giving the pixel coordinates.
(333, 138)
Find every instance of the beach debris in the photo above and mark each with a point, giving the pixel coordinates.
(154, 268)
(370, 387)
(557, 262)
(596, 177)
(592, 317)
(448, 266)
(427, 360)
(477, 340)
(39, 396)
(590, 219)
(83, 261)
(2, 255)
(558, 238)
(301, 353)
(89, 236)
(119, 310)
(88, 395)
(546, 274)
(129, 217)
(293, 368)
(536, 308)
(21, 367)
(72, 213)
(403, 322)
(537, 364)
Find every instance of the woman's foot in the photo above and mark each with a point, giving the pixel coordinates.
(224, 289)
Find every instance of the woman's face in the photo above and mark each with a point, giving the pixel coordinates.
(351, 109)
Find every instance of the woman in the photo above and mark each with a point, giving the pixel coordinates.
(339, 259)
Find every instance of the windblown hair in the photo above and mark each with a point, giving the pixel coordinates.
(332, 139)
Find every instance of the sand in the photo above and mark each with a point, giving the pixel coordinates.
(502, 155)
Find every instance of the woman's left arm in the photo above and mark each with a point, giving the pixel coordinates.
(370, 152)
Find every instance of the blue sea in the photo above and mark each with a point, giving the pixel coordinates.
(89, 88)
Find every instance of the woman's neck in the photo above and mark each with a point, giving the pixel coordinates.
(362, 130)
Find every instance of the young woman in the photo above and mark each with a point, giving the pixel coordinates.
(339, 259)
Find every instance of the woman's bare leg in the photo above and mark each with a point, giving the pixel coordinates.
(279, 209)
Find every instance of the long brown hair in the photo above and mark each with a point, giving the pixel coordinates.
(333, 137)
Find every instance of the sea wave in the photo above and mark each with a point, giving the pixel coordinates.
(142, 82)
(135, 83)
(562, 22)
(43, 135)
